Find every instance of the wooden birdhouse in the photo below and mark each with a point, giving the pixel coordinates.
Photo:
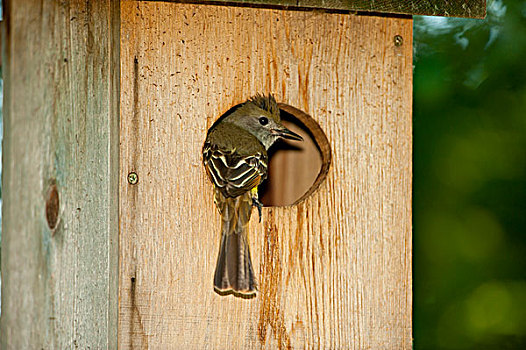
(110, 233)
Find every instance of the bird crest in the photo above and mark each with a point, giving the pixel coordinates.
(266, 103)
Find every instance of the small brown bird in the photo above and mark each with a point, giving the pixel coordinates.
(235, 159)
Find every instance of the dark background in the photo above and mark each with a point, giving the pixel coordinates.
(469, 201)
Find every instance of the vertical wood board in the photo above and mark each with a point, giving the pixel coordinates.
(335, 270)
(61, 103)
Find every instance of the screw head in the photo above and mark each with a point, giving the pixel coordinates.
(133, 178)
(398, 40)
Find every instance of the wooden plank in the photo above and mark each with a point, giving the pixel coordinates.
(334, 270)
(455, 8)
(448, 8)
(60, 163)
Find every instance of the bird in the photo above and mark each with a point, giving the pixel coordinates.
(236, 161)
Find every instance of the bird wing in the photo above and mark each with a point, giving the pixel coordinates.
(232, 173)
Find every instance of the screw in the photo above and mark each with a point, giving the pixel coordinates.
(398, 40)
(133, 178)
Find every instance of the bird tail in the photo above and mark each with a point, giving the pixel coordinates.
(234, 273)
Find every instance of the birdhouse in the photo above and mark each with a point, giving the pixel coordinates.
(110, 232)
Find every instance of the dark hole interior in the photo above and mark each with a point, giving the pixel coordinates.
(294, 166)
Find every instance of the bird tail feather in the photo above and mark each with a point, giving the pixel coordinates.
(234, 272)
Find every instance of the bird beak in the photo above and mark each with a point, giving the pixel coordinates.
(287, 134)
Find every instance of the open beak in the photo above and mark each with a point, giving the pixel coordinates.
(287, 134)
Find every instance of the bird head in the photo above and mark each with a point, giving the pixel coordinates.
(260, 116)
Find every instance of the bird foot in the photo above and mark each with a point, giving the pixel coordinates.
(256, 203)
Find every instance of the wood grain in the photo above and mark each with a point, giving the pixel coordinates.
(448, 8)
(59, 185)
(335, 270)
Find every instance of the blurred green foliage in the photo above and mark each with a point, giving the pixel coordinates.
(470, 180)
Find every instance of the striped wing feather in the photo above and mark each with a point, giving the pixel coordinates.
(234, 174)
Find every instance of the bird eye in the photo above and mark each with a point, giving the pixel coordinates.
(263, 121)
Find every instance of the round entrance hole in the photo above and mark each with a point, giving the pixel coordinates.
(296, 169)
